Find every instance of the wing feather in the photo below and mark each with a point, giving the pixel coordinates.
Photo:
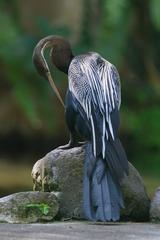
(96, 86)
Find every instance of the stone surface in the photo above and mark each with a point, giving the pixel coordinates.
(62, 171)
(80, 231)
(155, 206)
(28, 207)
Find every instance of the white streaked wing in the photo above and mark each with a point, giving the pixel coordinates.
(99, 85)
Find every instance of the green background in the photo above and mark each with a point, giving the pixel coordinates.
(125, 32)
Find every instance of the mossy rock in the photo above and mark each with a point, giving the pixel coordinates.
(62, 171)
(28, 207)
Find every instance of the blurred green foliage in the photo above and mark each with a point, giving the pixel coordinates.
(154, 11)
(30, 93)
(126, 32)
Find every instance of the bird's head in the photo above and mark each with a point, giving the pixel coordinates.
(61, 55)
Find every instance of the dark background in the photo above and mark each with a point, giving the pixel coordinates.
(32, 123)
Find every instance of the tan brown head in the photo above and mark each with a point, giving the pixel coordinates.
(61, 55)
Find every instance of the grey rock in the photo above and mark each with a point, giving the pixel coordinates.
(155, 207)
(28, 207)
(137, 202)
(61, 171)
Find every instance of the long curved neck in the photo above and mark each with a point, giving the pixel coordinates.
(38, 56)
(61, 54)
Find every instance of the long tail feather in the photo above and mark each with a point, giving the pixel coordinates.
(102, 196)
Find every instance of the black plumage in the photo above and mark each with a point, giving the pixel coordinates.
(92, 110)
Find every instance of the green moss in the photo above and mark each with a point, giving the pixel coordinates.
(43, 208)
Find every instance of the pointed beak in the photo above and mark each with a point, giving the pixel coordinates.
(50, 79)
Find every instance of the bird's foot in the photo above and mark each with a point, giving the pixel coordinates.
(67, 146)
(71, 145)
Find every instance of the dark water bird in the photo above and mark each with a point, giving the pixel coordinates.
(92, 110)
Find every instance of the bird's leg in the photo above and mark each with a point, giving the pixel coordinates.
(72, 142)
